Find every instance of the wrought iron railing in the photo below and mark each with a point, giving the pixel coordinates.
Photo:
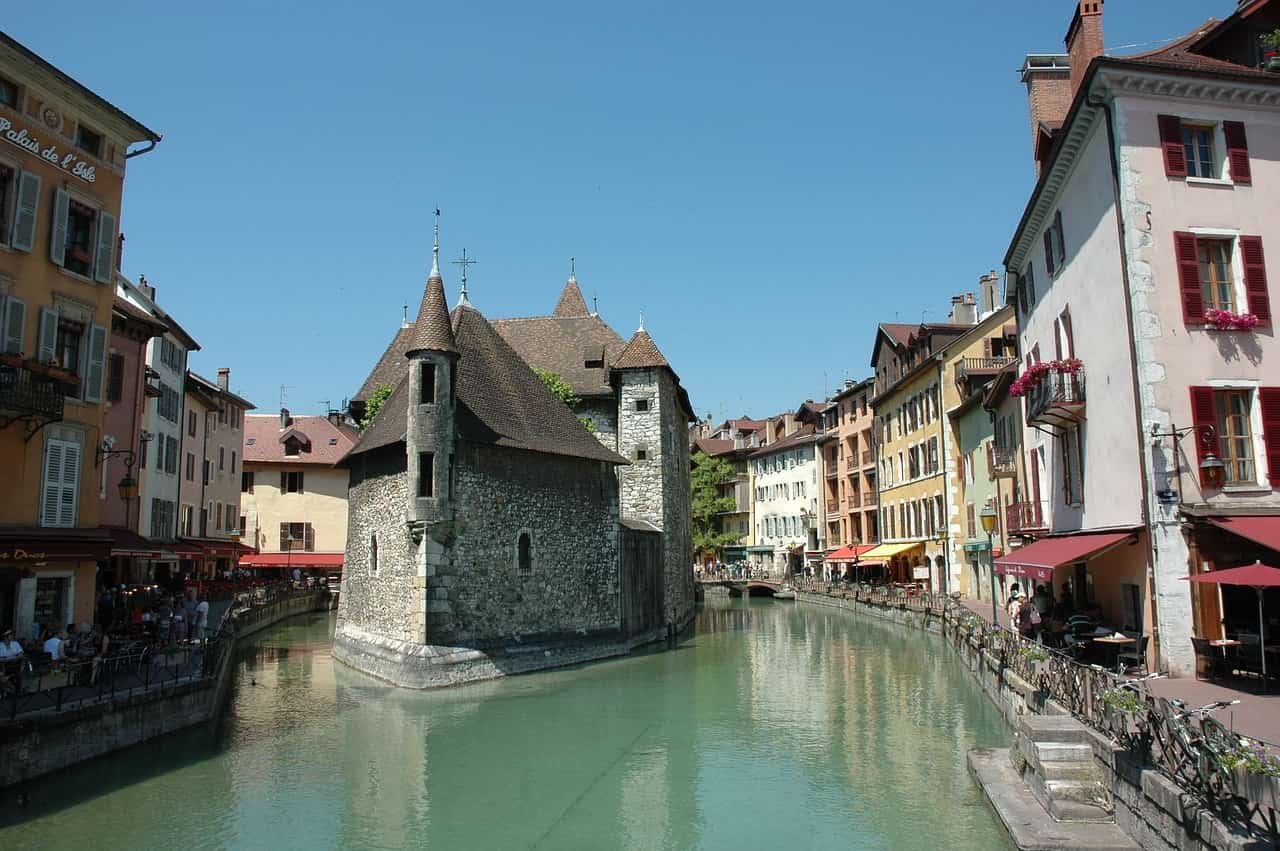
(1024, 517)
(24, 392)
(1001, 462)
(994, 364)
(1058, 394)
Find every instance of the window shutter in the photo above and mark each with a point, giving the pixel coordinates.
(48, 348)
(58, 231)
(97, 356)
(1187, 253)
(299, 481)
(1048, 251)
(1175, 157)
(1255, 278)
(1066, 329)
(1270, 399)
(1237, 152)
(1061, 245)
(102, 259)
(284, 537)
(52, 483)
(1031, 286)
(1057, 339)
(309, 539)
(115, 378)
(15, 321)
(67, 483)
(24, 219)
(1203, 416)
(284, 482)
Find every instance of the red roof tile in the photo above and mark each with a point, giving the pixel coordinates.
(263, 442)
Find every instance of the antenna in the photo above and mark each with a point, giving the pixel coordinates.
(284, 394)
(327, 406)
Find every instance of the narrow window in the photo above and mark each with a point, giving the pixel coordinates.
(1235, 435)
(426, 474)
(1197, 144)
(115, 374)
(373, 554)
(428, 384)
(524, 554)
(8, 93)
(222, 458)
(246, 481)
(642, 453)
(243, 525)
(79, 250)
(1215, 274)
(88, 141)
(642, 405)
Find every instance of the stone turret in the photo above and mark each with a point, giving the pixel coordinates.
(433, 358)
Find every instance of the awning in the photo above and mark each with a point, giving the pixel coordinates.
(34, 545)
(213, 548)
(292, 559)
(1260, 530)
(1038, 560)
(759, 548)
(885, 551)
(847, 554)
(129, 544)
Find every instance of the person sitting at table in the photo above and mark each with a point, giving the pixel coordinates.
(54, 646)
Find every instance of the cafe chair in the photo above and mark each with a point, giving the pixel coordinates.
(1210, 663)
(1135, 656)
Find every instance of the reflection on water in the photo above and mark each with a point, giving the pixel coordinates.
(773, 725)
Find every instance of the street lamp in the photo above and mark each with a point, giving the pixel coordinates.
(1212, 466)
(988, 517)
(946, 562)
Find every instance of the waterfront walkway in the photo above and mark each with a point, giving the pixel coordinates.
(1257, 715)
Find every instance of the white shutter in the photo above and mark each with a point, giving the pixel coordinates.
(24, 219)
(70, 485)
(48, 348)
(93, 372)
(102, 266)
(52, 483)
(58, 231)
(15, 320)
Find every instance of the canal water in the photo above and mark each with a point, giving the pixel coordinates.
(774, 725)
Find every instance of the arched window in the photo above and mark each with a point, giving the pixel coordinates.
(373, 554)
(524, 554)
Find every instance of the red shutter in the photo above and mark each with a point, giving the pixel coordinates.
(1057, 339)
(1187, 253)
(1237, 152)
(1035, 477)
(1175, 157)
(1203, 417)
(1255, 278)
(1048, 250)
(1066, 328)
(1270, 398)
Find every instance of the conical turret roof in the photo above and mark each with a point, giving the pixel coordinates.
(433, 331)
(571, 302)
(641, 352)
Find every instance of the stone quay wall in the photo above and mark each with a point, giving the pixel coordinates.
(36, 745)
(1150, 808)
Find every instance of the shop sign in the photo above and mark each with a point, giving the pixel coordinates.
(17, 554)
(67, 162)
(919, 573)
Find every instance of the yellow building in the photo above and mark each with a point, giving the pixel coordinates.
(63, 151)
(293, 501)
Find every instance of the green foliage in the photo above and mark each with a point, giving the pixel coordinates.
(708, 473)
(1271, 40)
(374, 405)
(1123, 700)
(1253, 757)
(563, 391)
(1034, 652)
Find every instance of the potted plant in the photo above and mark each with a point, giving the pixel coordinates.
(1225, 320)
(1271, 50)
(1257, 773)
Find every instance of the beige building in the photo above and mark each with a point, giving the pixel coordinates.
(293, 494)
(850, 468)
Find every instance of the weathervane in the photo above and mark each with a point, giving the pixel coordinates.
(573, 273)
(435, 248)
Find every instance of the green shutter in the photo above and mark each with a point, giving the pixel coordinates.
(102, 258)
(93, 372)
(52, 483)
(58, 231)
(24, 219)
(15, 320)
(48, 348)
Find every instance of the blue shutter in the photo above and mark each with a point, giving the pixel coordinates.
(102, 258)
(48, 346)
(58, 231)
(24, 219)
(15, 320)
(97, 356)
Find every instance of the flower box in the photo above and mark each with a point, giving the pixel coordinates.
(1225, 320)
(1036, 372)
(1260, 789)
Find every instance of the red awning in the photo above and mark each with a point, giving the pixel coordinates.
(210, 548)
(1038, 560)
(1257, 575)
(1260, 530)
(849, 553)
(292, 559)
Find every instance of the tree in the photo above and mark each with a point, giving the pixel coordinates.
(563, 391)
(707, 476)
(374, 404)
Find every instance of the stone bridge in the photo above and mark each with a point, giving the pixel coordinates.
(762, 587)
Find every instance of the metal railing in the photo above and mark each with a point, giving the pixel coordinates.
(994, 364)
(1195, 752)
(24, 392)
(1001, 462)
(1057, 394)
(1024, 517)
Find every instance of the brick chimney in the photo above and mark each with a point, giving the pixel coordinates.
(224, 378)
(989, 288)
(1084, 39)
(145, 288)
(1048, 82)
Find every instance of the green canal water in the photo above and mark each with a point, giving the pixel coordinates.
(774, 725)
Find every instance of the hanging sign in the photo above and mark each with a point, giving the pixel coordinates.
(70, 163)
(17, 554)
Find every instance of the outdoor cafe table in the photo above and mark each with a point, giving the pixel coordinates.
(1113, 645)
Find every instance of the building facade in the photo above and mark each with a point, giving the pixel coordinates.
(63, 150)
(852, 520)
(786, 483)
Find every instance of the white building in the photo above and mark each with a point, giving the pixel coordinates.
(785, 478)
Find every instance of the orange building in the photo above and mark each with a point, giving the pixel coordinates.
(63, 151)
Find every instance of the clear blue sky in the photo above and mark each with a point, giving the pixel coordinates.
(764, 181)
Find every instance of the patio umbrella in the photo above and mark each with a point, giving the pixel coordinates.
(1257, 576)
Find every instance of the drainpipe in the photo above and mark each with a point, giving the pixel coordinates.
(1133, 370)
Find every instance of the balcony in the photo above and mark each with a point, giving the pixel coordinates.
(1002, 463)
(1024, 517)
(832, 470)
(981, 367)
(1056, 400)
(853, 500)
(30, 391)
(868, 457)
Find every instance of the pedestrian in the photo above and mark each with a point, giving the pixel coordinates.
(1014, 605)
(1043, 601)
(202, 619)
(297, 576)
(53, 645)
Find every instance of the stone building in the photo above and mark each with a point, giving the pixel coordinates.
(489, 532)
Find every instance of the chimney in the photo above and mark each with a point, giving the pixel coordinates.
(963, 310)
(788, 423)
(335, 417)
(145, 288)
(1084, 39)
(1048, 82)
(989, 289)
(224, 378)
(848, 383)
(285, 419)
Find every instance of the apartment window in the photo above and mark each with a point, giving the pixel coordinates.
(217, 516)
(373, 554)
(188, 518)
(233, 462)
(60, 497)
(8, 93)
(79, 245)
(291, 482)
(642, 453)
(1215, 274)
(426, 474)
(642, 405)
(1072, 466)
(1054, 247)
(291, 447)
(67, 347)
(524, 554)
(204, 476)
(428, 395)
(1197, 147)
(297, 536)
(191, 467)
(243, 525)
(1235, 436)
(88, 141)
(191, 420)
(222, 458)
(246, 481)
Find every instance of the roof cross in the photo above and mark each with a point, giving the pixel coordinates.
(464, 263)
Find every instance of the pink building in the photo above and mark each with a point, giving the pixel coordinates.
(1139, 274)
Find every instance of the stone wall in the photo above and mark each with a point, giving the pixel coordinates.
(641, 480)
(603, 412)
(677, 502)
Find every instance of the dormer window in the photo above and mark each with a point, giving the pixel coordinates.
(291, 447)
(428, 394)
(593, 357)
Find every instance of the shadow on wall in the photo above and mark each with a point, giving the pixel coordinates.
(1236, 344)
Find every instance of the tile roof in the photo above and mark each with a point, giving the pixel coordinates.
(713, 446)
(561, 344)
(571, 302)
(805, 434)
(390, 368)
(500, 401)
(268, 447)
(200, 384)
(433, 330)
(135, 314)
(641, 352)
(899, 332)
